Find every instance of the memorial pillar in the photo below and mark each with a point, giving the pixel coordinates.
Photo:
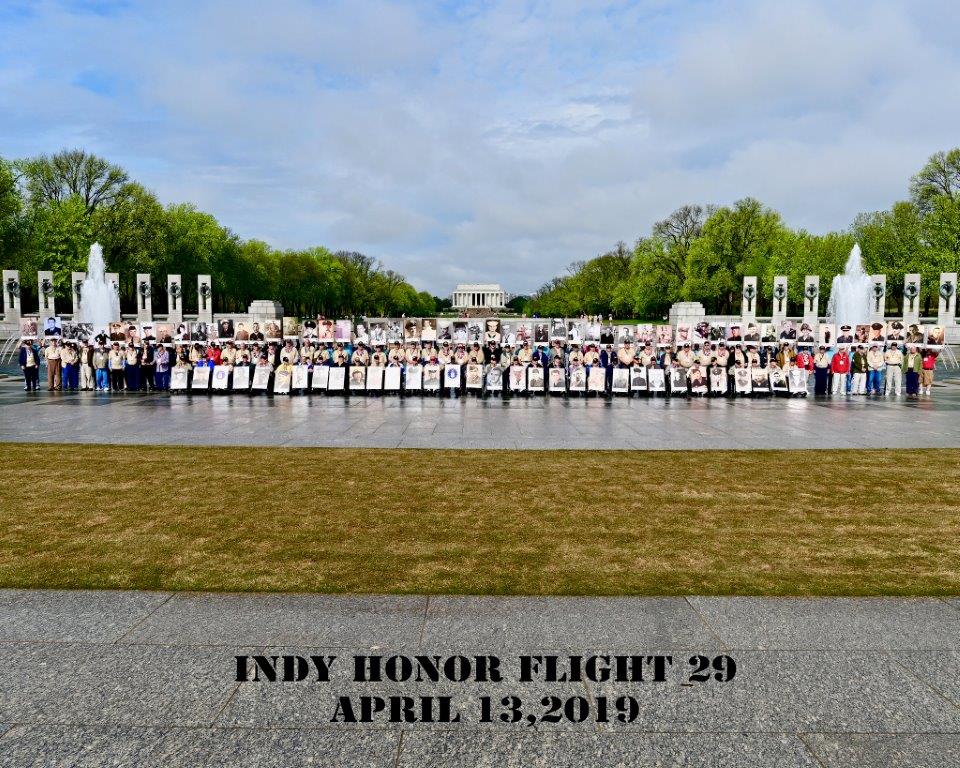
(45, 295)
(76, 284)
(174, 299)
(811, 300)
(748, 310)
(878, 298)
(779, 313)
(911, 298)
(144, 298)
(11, 295)
(204, 299)
(113, 279)
(947, 308)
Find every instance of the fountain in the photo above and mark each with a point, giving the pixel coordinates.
(99, 302)
(850, 293)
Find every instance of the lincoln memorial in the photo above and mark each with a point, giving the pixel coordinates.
(479, 295)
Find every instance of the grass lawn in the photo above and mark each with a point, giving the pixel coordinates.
(495, 522)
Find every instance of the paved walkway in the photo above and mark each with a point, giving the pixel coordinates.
(149, 679)
(424, 422)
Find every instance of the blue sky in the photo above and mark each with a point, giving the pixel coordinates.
(487, 141)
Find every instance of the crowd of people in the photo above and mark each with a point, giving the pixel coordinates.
(681, 361)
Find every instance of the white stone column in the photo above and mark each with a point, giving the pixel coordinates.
(811, 300)
(911, 290)
(76, 282)
(878, 298)
(174, 299)
(204, 299)
(113, 278)
(45, 294)
(779, 313)
(11, 295)
(144, 298)
(947, 309)
(748, 306)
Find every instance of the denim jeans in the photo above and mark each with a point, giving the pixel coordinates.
(874, 381)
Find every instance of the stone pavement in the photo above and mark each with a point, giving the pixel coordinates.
(149, 679)
(426, 422)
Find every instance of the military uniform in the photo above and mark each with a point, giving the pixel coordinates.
(893, 358)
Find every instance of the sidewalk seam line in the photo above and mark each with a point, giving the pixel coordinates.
(144, 619)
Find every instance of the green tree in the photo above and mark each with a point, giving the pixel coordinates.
(60, 238)
(72, 173)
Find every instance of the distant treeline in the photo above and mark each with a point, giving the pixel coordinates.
(53, 207)
(701, 253)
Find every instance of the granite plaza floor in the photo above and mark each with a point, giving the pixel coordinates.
(516, 422)
(149, 679)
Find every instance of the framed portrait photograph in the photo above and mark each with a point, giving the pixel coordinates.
(444, 329)
(621, 380)
(699, 383)
(343, 331)
(357, 377)
(768, 335)
(336, 379)
(201, 378)
(165, 333)
(225, 329)
(241, 330)
(541, 332)
(241, 377)
(493, 381)
(459, 330)
(557, 379)
(597, 379)
(474, 376)
(29, 327)
(475, 331)
(431, 377)
(321, 376)
(664, 335)
(861, 334)
(895, 331)
(638, 378)
(414, 378)
(52, 328)
(375, 377)
(281, 382)
(326, 330)
(760, 379)
(734, 334)
(678, 380)
(742, 383)
(578, 379)
(261, 377)
(797, 380)
(718, 379)
(391, 378)
(535, 378)
(517, 377)
(221, 377)
(451, 376)
(178, 379)
(199, 332)
(428, 329)
(292, 328)
(826, 334)
(935, 335)
(778, 380)
(656, 380)
(301, 377)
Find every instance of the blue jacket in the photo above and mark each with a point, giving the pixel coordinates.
(23, 356)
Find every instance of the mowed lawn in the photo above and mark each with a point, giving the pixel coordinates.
(481, 522)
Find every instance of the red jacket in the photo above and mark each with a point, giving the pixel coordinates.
(840, 363)
(929, 361)
(214, 354)
(804, 360)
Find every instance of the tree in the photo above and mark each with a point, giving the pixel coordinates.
(60, 238)
(13, 233)
(72, 173)
(939, 178)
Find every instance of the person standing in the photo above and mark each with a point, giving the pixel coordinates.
(116, 367)
(860, 371)
(929, 363)
(101, 361)
(68, 367)
(912, 365)
(148, 367)
(52, 356)
(893, 358)
(875, 363)
(839, 368)
(30, 365)
(131, 369)
(821, 371)
(86, 367)
(161, 367)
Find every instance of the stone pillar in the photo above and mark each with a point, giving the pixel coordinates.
(45, 297)
(76, 283)
(811, 300)
(113, 278)
(748, 311)
(911, 298)
(11, 295)
(878, 298)
(204, 299)
(947, 309)
(144, 298)
(779, 313)
(174, 299)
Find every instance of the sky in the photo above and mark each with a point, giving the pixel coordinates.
(487, 141)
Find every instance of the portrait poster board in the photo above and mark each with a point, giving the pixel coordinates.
(321, 376)
(578, 379)
(281, 382)
(760, 378)
(684, 334)
(78, 331)
(361, 334)
(431, 377)
(241, 329)
(778, 380)
(336, 378)
(678, 380)
(734, 334)
(459, 331)
(301, 376)
(638, 378)
(198, 331)
(391, 378)
(261, 377)
(607, 334)
(558, 380)
(357, 376)
(29, 326)
(826, 334)
(164, 333)
(664, 335)
(718, 380)
(915, 334)
(935, 336)
(494, 379)
(272, 330)
(541, 333)
(451, 376)
(656, 380)
(414, 379)
(375, 377)
(292, 328)
(53, 327)
(787, 331)
(178, 379)
(768, 335)
(558, 329)
(474, 376)
(131, 333)
(343, 331)
(699, 381)
(411, 329)
(621, 380)
(597, 379)
(518, 378)
(241, 377)
(474, 331)
(861, 334)
(645, 334)
(308, 329)
(201, 378)
(221, 377)
(718, 331)
(148, 331)
(378, 332)
(535, 378)
(326, 331)
(797, 380)
(806, 336)
(877, 334)
(428, 329)
(742, 383)
(444, 329)
(701, 332)
(895, 331)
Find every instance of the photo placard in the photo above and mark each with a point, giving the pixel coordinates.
(301, 376)
(431, 377)
(178, 379)
(451, 376)
(241, 377)
(201, 378)
(621, 381)
(474, 376)
(414, 378)
(517, 378)
(656, 380)
(391, 378)
(638, 378)
(221, 377)
(321, 376)
(357, 376)
(742, 383)
(261, 377)
(535, 378)
(558, 380)
(281, 382)
(375, 377)
(336, 378)
(597, 379)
